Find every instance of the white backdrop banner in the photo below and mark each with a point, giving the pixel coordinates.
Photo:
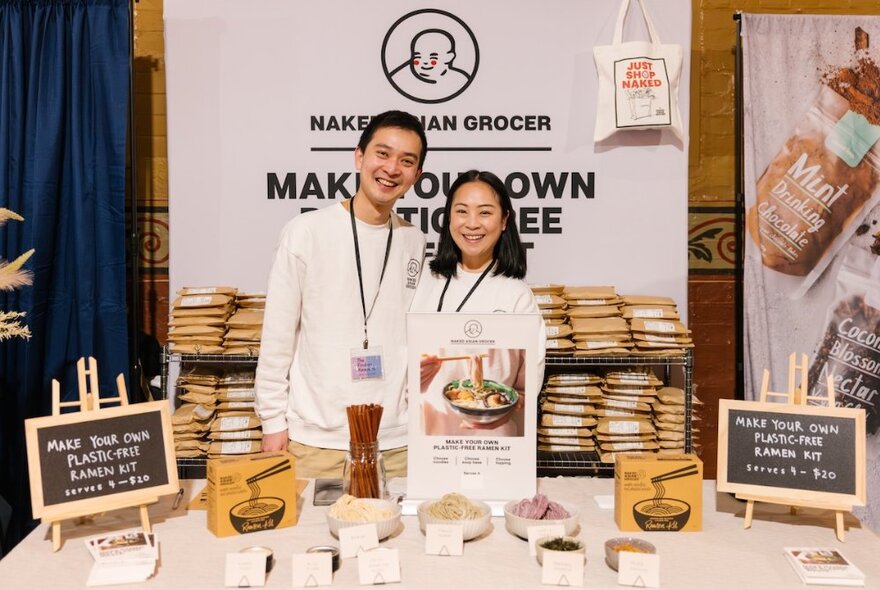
(266, 101)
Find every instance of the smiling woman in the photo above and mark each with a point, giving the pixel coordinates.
(479, 268)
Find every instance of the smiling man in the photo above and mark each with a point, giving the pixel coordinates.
(334, 331)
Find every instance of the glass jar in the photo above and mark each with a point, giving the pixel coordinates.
(363, 473)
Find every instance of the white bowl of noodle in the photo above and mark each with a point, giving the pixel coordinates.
(481, 404)
(350, 511)
(472, 515)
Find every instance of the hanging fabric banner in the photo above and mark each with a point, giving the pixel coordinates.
(812, 188)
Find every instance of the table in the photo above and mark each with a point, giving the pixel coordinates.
(723, 555)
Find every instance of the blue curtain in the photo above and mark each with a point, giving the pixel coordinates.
(64, 85)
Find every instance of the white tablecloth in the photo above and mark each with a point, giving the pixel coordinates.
(723, 555)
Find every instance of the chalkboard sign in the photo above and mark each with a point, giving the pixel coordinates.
(83, 462)
(811, 454)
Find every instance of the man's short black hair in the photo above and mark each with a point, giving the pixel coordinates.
(399, 119)
(509, 253)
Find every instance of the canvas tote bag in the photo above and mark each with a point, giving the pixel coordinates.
(638, 82)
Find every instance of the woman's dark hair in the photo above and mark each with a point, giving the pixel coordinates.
(509, 253)
(399, 119)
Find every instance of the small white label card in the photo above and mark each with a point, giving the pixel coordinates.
(245, 570)
(638, 569)
(357, 538)
(562, 568)
(378, 566)
(444, 539)
(312, 569)
(543, 530)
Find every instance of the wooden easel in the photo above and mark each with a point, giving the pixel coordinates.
(797, 394)
(90, 401)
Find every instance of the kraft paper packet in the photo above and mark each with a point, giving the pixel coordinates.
(602, 352)
(662, 338)
(648, 300)
(255, 434)
(203, 399)
(235, 447)
(600, 325)
(558, 331)
(558, 344)
(242, 333)
(246, 317)
(624, 437)
(563, 379)
(207, 291)
(624, 426)
(196, 330)
(617, 337)
(658, 326)
(190, 348)
(242, 350)
(199, 388)
(668, 419)
(565, 431)
(182, 312)
(650, 311)
(564, 440)
(613, 404)
(199, 301)
(236, 393)
(568, 421)
(563, 448)
(567, 409)
(188, 413)
(633, 375)
(547, 289)
(594, 311)
(197, 320)
(236, 421)
(549, 301)
(573, 400)
(553, 313)
(629, 446)
(589, 292)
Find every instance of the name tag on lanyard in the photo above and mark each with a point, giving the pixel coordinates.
(367, 364)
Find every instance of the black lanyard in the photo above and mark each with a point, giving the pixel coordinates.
(357, 257)
(469, 293)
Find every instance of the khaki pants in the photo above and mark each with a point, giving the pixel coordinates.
(314, 462)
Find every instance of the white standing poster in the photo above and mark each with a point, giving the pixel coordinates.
(472, 425)
(266, 101)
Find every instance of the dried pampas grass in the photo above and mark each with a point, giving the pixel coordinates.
(7, 214)
(11, 326)
(12, 276)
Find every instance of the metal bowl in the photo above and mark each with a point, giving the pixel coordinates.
(486, 414)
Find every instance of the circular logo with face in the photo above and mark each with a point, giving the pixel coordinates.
(430, 56)
(412, 268)
(473, 328)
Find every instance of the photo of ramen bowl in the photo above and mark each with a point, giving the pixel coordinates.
(257, 514)
(661, 514)
(471, 528)
(485, 405)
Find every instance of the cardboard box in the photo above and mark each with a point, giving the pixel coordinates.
(654, 492)
(251, 493)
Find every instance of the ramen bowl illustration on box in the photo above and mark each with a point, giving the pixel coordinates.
(661, 513)
(257, 514)
(665, 514)
(477, 404)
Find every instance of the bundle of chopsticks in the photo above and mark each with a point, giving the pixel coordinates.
(363, 427)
